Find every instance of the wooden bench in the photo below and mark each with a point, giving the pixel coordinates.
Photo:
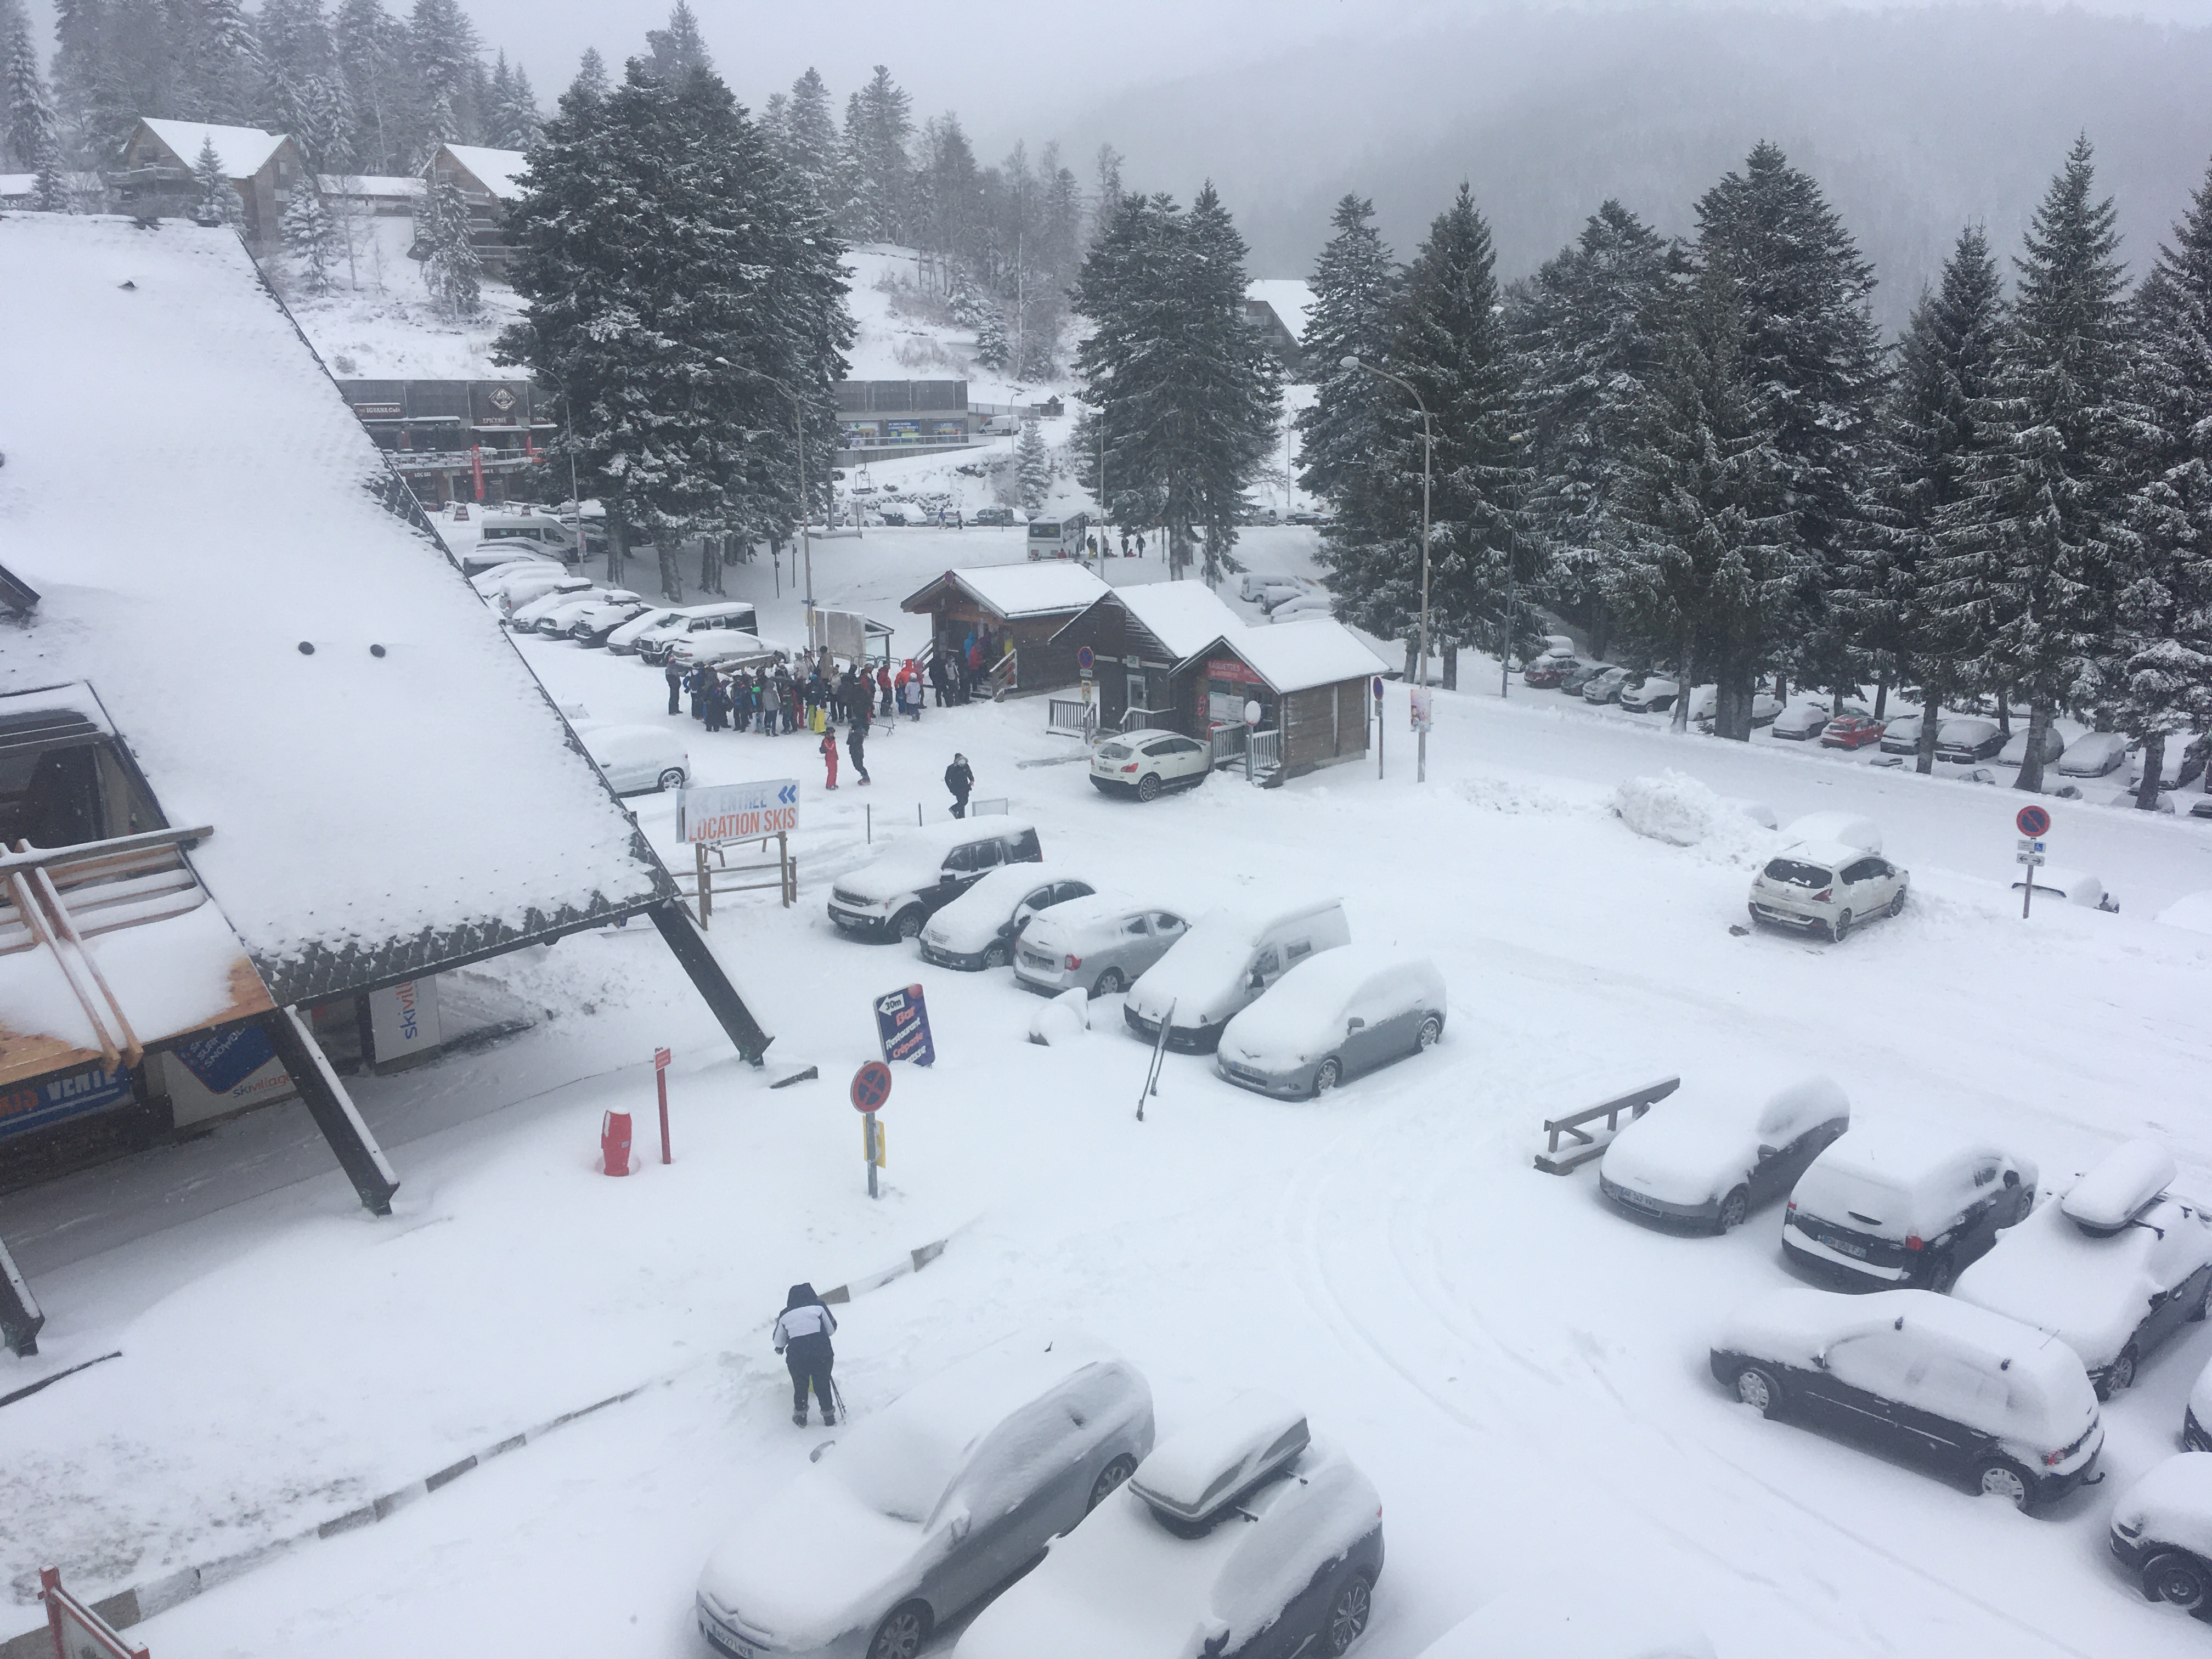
(1635, 1103)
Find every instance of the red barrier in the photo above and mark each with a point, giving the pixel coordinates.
(614, 1143)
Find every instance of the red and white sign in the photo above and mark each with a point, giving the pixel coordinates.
(2033, 821)
(1230, 669)
(660, 1060)
(872, 1086)
(737, 811)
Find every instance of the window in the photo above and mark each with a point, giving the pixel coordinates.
(1791, 873)
(1985, 1175)
(1167, 924)
(1300, 947)
(1268, 962)
(1863, 871)
(1136, 926)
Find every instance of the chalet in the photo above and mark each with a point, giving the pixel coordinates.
(230, 819)
(156, 180)
(1011, 613)
(1138, 635)
(372, 196)
(1310, 679)
(1277, 307)
(489, 182)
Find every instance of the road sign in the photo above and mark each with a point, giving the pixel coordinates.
(660, 1059)
(1084, 658)
(902, 1025)
(2033, 821)
(872, 1086)
(737, 811)
(2028, 845)
(1378, 688)
(2028, 858)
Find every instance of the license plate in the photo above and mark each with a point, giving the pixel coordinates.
(1636, 1199)
(1845, 1246)
(724, 1643)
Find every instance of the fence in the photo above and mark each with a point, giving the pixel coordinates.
(1071, 718)
(1263, 753)
(706, 879)
(1635, 1103)
(1228, 743)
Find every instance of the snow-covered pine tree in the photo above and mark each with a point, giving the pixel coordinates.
(33, 136)
(12, 18)
(369, 45)
(524, 120)
(811, 147)
(453, 269)
(673, 52)
(1588, 330)
(2166, 609)
(591, 80)
(2045, 515)
(1930, 613)
(310, 238)
(1032, 466)
(1354, 289)
(443, 47)
(878, 123)
(219, 202)
(993, 349)
(1709, 563)
(222, 63)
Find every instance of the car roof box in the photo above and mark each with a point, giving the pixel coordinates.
(1193, 1477)
(2120, 1189)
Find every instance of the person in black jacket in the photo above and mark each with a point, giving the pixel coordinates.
(674, 674)
(960, 779)
(802, 1337)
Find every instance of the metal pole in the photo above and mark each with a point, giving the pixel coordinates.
(868, 1145)
(660, 1081)
(1504, 657)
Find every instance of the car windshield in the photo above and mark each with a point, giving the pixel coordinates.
(1795, 874)
(897, 1465)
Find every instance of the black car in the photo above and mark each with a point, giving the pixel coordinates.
(1895, 1205)
(924, 871)
(998, 515)
(1967, 1393)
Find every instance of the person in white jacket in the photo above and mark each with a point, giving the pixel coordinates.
(802, 1337)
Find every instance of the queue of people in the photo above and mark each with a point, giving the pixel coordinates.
(810, 694)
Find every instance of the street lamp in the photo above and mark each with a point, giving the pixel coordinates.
(1428, 450)
(798, 429)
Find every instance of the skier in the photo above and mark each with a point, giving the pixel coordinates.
(829, 755)
(674, 674)
(802, 1337)
(960, 779)
(856, 746)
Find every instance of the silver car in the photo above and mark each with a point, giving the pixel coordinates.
(1102, 943)
(920, 1510)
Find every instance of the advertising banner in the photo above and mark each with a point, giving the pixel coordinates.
(403, 1022)
(902, 1024)
(737, 811)
(36, 1106)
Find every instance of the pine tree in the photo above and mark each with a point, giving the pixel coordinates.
(2044, 512)
(31, 136)
(1032, 466)
(12, 18)
(523, 119)
(310, 238)
(223, 63)
(878, 123)
(2166, 609)
(452, 269)
(811, 146)
(993, 349)
(443, 47)
(1931, 616)
(219, 202)
(673, 52)
(591, 80)
(368, 43)
(1354, 290)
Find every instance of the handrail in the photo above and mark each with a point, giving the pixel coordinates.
(1635, 1103)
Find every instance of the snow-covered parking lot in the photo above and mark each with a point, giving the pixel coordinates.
(1520, 1371)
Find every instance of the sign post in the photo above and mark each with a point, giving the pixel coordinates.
(871, 1087)
(1378, 726)
(2032, 823)
(660, 1057)
(1252, 712)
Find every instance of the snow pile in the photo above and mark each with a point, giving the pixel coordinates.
(1516, 795)
(1677, 809)
(2192, 910)
(1063, 1019)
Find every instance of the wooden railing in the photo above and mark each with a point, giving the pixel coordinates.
(1635, 1103)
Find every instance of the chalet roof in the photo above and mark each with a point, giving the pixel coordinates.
(400, 798)
(1296, 656)
(1291, 298)
(244, 151)
(1042, 588)
(496, 170)
(1185, 617)
(370, 186)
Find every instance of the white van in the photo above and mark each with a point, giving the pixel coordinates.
(540, 532)
(1222, 963)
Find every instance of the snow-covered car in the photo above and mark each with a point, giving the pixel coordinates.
(555, 620)
(2162, 802)
(896, 893)
(1710, 1160)
(492, 580)
(2015, 752)
(980, 928)
(725, 651)
(1800, 722)
(2181, 762)
(636, 759)
(1826, 886)
(521, 593)
(2093, 754)
(1148, 762)
(485, 557)
(1705, 702)
(1965, 739)
(2192, 911)
(1102, 944)
(1573, 1619)
(2116, 1266)
(1897, 1204)
(1576, 680)
(920, 1509)
(1606, 687)
(1240, 1537)
(2161, 1532)
(1227, 958)
(1973, 1394)
(2197, 1418)
(1902, 735)
(2071, 886)
(623, 641)
(1305, 606)
(1833, 824)
(2200, 807)
(655, 644)
(592, 622)
(1253, 585)
(1334, 1015)
(1654, 694)
(542, 532)
(1851, 732)
(992, 515)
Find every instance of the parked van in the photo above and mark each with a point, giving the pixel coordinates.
(655, 644)
(1222, 963)
(924, 871)
(1104, 943)
(538, 531)
(1334, 1014)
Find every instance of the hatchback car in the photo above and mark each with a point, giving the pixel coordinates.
(1144, 763)
(1335, 1014)
(593, 622)
(522, 602)
(1653, 695)
(623, 641)
(2162, 1532)
(1800, 722)
(1852, 732)
(562, 618)
(920, 1509)
(1225, 960)
(636, 759)
(1240, 1537)
(1965, 740)
(1102, 944)
(1824, 886)
(2114, 1269)
(1709, 1161)
(1899, 1205)
(1973, 1394)
(982, 929)
(924, 871)
(2093, 754)
(1902, 735)
(1606, 687)
(1545, 673)
(2182, 763)
(2015, 752)
(1576, 679)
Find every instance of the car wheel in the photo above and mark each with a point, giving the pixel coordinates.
(1942, 1275)
(672, 778)
(2177, 1579)
(994, 955)
(1348, 1614)
(1431, 1029)
(906, 924)
(1107, 983)
(1733, 1208)
(1897, 904)
(901, 1634)
(1756, 1388)
(1839, 929)
(1998, 1478)
(1327, 1076)
(2122, 1375)
(1148, 786)
(1109, 1478)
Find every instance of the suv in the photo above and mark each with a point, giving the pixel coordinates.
(1143, 763)
(924, 871)
(1823, 886)
(1892, 1206)
(995, 515)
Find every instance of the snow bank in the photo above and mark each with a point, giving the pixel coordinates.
(1063, 1019)
(1677, 809)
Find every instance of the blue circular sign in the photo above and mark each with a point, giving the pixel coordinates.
(1378, 688)
(1083, 657)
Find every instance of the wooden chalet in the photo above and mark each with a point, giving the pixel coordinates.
(1012, 613)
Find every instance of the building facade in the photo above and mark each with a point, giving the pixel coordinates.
(156, 178)
(471, 440)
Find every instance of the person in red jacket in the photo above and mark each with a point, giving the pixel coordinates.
(829, 756)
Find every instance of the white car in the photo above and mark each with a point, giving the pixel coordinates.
(1800, 722)
(510, 587)
(486, 557)
(655, 644)
(1229, 958)
(2015, 752)
(1240, 1537)
(1253, 584)
(920, 1509)
(1652, 695)
(1101, 944)
(1826, 887)
(624, 640)
(1305, 606)
(981, 928)
(2182, 762)
(2093, 754)
(524, 607)
(1148, 762)
(636, 759)
(595, 620)
(556, 620)
(1708, 1160)
(1336, 1013)
(725, 651)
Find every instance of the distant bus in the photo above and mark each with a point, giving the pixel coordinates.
(1058, 538)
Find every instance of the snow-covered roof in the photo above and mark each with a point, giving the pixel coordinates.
(1296, 656)
(1291, 297)
(345, 851)
(1185, 617)
(369, 184)
(496, 170)
(1028, 589)
(243, 150)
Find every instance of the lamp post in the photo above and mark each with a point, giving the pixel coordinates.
(1428, 449)
(799, 431)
